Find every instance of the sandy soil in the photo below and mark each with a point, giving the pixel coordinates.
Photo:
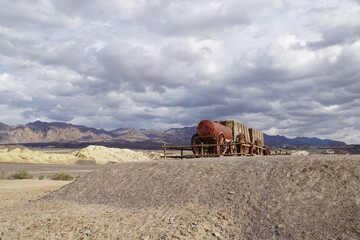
(17, 192)
(47, 170)
(275, 197)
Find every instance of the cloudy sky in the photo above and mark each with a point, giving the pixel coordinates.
(285, 67)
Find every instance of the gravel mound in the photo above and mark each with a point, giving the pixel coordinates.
(287, 197)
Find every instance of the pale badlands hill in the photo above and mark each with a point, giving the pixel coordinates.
(96, 154)
(274, 197)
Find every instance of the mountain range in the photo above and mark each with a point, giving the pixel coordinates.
(276, 140)
(58, 132)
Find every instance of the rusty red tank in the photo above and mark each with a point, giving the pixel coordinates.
(208, 129)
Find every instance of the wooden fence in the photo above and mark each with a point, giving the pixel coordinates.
(204, 146)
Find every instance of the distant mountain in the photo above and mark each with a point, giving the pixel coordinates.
(45, 126)
(317, 141)
(275, 140)
(44, 132)
(51, 132)
(4, 127)
(182, 135)
(128, 133)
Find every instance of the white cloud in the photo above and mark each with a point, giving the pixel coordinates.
(284, 67)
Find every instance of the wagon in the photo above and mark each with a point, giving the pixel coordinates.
(227, 137)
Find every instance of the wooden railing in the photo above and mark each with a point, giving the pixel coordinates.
(202, 154)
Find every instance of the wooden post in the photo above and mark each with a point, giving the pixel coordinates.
(182, 153)
(164, 151)
(240, 148)
(202, 149)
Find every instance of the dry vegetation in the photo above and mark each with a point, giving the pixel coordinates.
(21, 175)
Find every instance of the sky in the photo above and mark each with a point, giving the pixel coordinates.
(284, 67)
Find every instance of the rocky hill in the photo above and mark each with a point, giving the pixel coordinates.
(273, 197)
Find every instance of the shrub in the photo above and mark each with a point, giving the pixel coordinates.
(78, 176)
(2, 175)
(41, 177)
(21, 175)
(62, 177)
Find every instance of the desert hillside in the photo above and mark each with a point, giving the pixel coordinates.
(274, 197)
(96, 154)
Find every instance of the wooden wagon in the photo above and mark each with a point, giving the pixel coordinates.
(242, 140)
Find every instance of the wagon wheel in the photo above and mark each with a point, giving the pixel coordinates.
(258, 143)
(220, 139)
(195, 140)
(232, 149)
(267, 150)
(241, 138)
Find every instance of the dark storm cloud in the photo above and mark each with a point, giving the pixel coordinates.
(281, 67)
(338, 35)
(356, 1)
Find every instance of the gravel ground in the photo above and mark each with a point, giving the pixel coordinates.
(273, 197)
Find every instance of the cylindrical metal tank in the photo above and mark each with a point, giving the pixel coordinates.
(208, 129)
